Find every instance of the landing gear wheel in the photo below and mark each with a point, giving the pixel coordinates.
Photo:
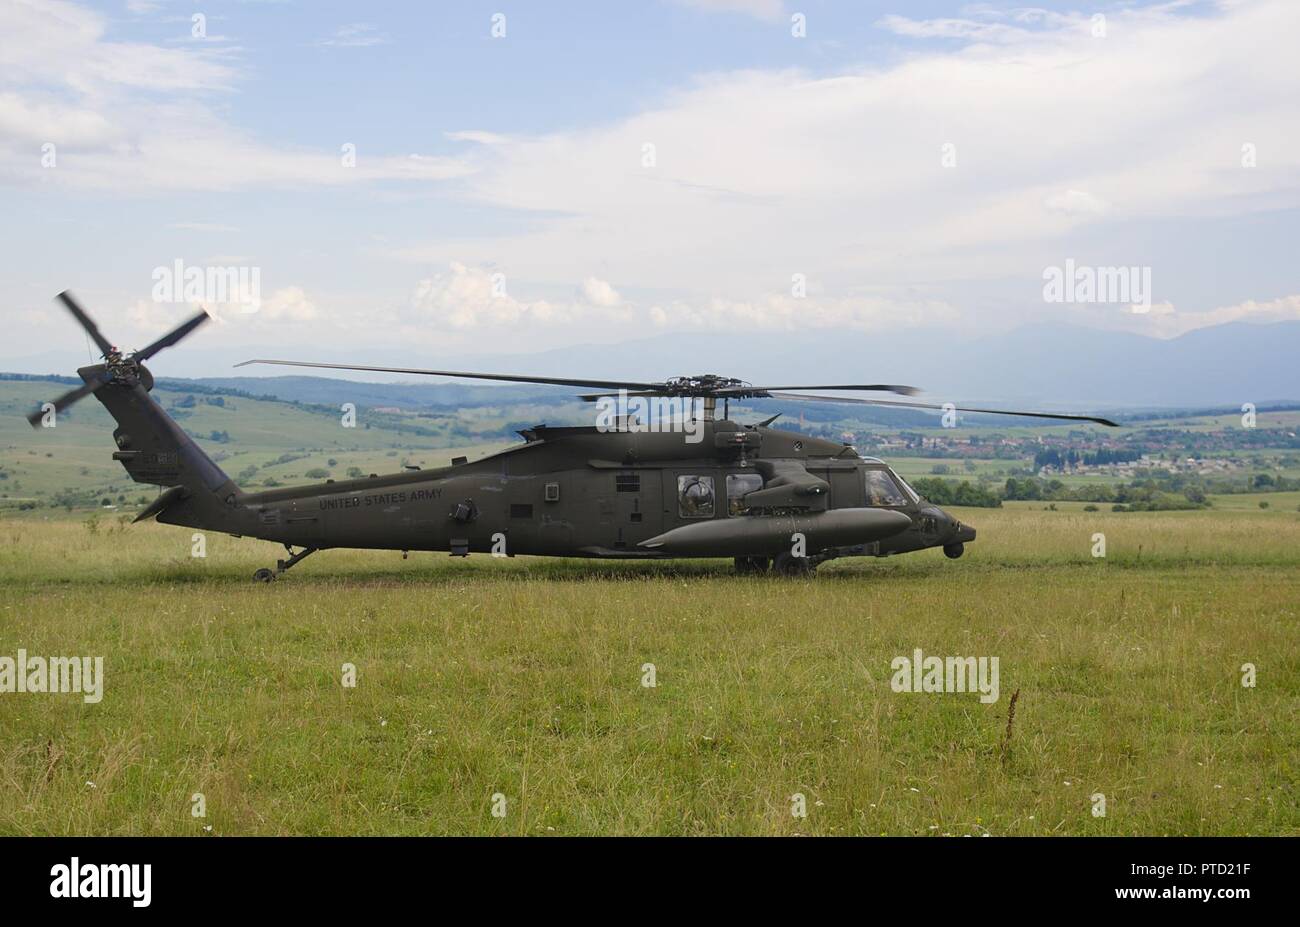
(786, 564)
(265, 576)
(750, 566)
(953, 551)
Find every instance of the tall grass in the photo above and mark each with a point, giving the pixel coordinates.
(524, 677)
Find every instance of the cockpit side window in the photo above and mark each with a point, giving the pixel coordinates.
(881, 490)
(738, 486)
(695, 496)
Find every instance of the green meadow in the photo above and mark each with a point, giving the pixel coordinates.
(524, 679)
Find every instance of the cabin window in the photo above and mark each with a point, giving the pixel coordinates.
(695, 496)
(738, 486)
(881, 489)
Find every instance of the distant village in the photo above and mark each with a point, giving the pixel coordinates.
(1205, 453)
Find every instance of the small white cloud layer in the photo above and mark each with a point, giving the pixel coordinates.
(124, 117)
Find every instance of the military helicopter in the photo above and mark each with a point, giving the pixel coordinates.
(623, 488)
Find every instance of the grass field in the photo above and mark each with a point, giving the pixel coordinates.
(524, 678)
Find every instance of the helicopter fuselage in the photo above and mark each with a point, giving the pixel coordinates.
(616, 489)
(745, 491)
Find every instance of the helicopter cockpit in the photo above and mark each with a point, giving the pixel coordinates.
(883, 487)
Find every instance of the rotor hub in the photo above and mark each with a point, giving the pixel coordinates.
(703, 384)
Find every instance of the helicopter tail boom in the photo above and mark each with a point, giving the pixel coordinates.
(150, 445)
(154, 449)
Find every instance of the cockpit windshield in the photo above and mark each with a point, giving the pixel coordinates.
(885, 488)
(907, 489)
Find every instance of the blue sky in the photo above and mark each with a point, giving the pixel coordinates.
(501, 199)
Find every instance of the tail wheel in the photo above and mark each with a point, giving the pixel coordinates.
(786, 564)
(264, 575)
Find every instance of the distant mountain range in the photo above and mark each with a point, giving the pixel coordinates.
(1048, 366)
(1063, 366)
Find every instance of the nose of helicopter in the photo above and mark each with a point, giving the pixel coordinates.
(952, 535)
(961, 533)
(946, 528)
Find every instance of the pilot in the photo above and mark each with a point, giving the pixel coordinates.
(877, 493)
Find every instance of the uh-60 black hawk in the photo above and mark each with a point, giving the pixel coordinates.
(704, 487)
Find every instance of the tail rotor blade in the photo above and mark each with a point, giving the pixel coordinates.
(86, 322)
(67, 399)
(173, 336)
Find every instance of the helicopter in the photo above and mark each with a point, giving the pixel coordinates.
(697, 485)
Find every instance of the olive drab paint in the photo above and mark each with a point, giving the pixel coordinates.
(616, 490)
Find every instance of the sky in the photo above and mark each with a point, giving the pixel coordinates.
(421, 182)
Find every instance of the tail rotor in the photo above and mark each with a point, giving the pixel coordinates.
(127, 370)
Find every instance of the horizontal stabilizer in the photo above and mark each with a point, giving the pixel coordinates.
(156, 507)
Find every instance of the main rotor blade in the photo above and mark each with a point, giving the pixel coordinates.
(880, 387)
(592, 397)
(507, 377)
(173, 336)
(86, 322)
(746, 392)
(928, 405)
(67, 399)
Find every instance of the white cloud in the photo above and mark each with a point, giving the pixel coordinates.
(474, 298)
(1076, 203)
(356, 35)
(788, 314)
(129, 117)
(1164, 320)
(599, 293)
(289, 303)
(61, 46)
(761, 9)
(759, 174)
(146, 319)
(482, 138)
(37, 121)
(994, 26)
